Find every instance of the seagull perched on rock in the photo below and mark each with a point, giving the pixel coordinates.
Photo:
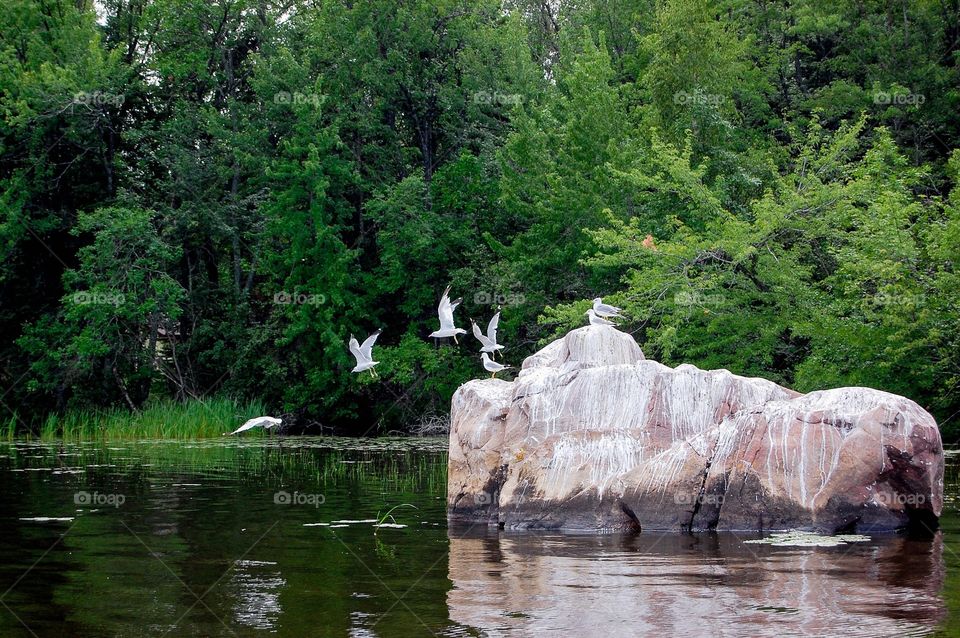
(605, 310)
(489, 340)
(265, 422)
(445, 312)
(492, 366)
(363, 353)
(597, 320)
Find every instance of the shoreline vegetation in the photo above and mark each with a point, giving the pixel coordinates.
(191, 419)
(160, 419)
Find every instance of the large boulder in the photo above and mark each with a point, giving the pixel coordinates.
(591, 436)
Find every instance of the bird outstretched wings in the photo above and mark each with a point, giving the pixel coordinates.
(366, 348)
(483, 339)
(492, 328)
(265, 422)
(445, 310)
(363, 353)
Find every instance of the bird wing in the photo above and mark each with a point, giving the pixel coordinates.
(445, 310)
(605, 308)
(492, 328)
(479, 335)
(490, 365)
(249, 425)
(444, 300)
(366, 348)
(356, 351)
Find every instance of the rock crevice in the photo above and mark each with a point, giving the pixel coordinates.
(594, 436)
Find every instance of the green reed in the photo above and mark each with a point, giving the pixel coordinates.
(10, 428)
(164, 419)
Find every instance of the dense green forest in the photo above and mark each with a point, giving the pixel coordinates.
(205, 198)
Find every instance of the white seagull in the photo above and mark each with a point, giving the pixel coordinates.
(490, 340)
(492, 366)
(605, 310)
(597, 320)
(363, 353)
(445, 312)
(265, 422)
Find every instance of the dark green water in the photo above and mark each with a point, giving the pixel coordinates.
(243, 537)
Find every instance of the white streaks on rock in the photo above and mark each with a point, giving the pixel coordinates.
(591, 434)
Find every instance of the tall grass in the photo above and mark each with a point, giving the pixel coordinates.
(10, 427)
(164, 419)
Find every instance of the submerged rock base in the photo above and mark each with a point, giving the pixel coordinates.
(593, 436)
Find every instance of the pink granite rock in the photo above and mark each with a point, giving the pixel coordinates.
(593, 436)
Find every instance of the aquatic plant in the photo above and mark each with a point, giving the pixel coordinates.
(386, 466)
(10, 429)
(382, 520)
(164, 419)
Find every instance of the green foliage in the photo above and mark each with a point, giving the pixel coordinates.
(829, 281)
(119, 301)
(207, 198)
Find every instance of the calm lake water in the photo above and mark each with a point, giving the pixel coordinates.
(276, 537)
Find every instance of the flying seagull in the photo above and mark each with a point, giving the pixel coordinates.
(605, 310)
(492, 366)
(363, 353)
(445, 312)
(596, 320)
(265, 422)
(490, 340)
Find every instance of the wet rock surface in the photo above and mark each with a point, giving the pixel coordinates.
(593, 436)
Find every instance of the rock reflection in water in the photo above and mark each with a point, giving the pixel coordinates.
(599, 585)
